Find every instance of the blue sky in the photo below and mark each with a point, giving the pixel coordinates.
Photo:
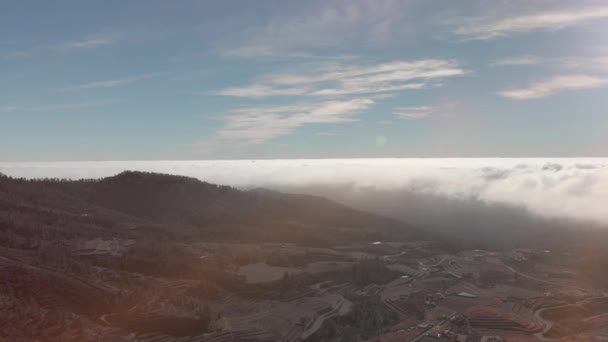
(137, 80)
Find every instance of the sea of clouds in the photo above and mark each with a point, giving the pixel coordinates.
(550, 187)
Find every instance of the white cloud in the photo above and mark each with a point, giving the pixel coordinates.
(313, 26)
(249, 127)
(268, 52)
(571, 62)
(392, 71)
(255, 126)
(271, 53)
(108, 83)
(261, 90)
(90, 42)
(597, 62)
(517, 60)
(555, 85)
(499, 25)
(414, 113)
(354, 88)
(552, 187)
(339, 79)
(253, 51)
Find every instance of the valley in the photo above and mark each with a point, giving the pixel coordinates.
(104, 260)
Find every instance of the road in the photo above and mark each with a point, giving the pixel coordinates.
(341, 309)
(531, 277)
(440, 324)
(549, 324)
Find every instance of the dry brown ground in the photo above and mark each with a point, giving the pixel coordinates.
(506, 335)
(397, 336)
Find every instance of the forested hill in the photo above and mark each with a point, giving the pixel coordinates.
(180, 204)
(75, 251)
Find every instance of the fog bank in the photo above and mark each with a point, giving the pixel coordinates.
(549, 187)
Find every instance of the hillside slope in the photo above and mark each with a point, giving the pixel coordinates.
(74, 251)
(199, 206)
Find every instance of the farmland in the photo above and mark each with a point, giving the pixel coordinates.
(465, 294)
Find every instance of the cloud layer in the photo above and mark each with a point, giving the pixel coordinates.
(551, 187)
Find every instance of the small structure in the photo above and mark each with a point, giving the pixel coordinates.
(466, 295)
(423, 326)
(491, 339)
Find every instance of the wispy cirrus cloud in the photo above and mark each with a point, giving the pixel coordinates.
(402, 70)
(268, 52)
(597, 62)
(249, 127)
(262, 90)
(89, 42)
(414, 113)
(250, 51)
(321, 25)
(261, 52)
(570, 62)
(349, 88)
(108, 83)
(517, 60)
(354, 89)
(555, 85)
(494, 25)
(340, 79)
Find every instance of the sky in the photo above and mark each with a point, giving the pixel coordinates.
(170, 80)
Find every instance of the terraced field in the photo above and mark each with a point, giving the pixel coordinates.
(290, 320)
(502, 317)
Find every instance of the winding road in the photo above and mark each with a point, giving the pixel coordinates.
(549, 324)
(538, 313)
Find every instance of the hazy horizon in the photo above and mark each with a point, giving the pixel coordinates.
(550, 187)
(372, 170)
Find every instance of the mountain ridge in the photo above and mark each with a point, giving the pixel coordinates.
(145, 197)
